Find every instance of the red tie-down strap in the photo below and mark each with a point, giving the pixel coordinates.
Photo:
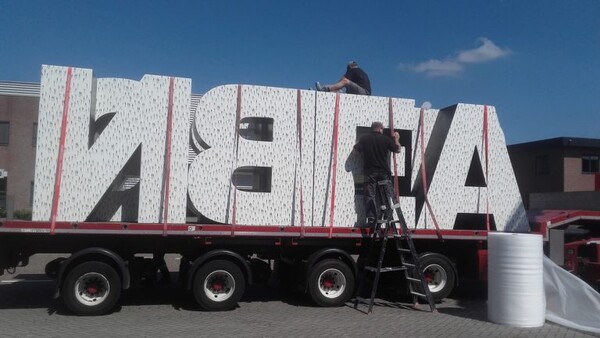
(391, 118)
(238, 113)
(167, 164)
(336, 121)
(424, 173)
(486, 149)
(61, 151)
(299, 135)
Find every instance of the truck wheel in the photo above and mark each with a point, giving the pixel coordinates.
(331, 283)
(439, 274)
(219, 285)
(91, 288)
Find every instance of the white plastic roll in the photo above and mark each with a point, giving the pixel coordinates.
(516, 279)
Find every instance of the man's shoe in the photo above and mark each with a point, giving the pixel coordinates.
(321, 88)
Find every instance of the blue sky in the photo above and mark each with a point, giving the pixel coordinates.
(537, 61)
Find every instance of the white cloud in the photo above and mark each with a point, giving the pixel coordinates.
(437, 68)
(454, 65)
(488, 51)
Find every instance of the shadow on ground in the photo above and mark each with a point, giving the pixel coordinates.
(35, 291)
(469, 300)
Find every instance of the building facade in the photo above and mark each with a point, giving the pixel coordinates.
(19, 105)
(562, 172)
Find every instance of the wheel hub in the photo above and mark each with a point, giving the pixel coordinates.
(436, 277)
(92, 289)
(328, 283)
(332, 283)
(219, 285)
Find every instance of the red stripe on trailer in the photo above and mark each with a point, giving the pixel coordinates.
(485, 145)
(220, 230)
(334, 162)
(391, 117)
(299, 131)
(167, 166)
(61, 151)
(424, 174)
(238, 113)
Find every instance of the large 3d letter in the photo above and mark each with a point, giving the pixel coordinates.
(115, 129)
(462, 186)
(220, 115)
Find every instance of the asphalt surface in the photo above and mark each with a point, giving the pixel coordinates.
(28, 310)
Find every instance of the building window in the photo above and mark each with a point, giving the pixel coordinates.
(590, 164)
(34, 140)
(4, 133)
(542, 165)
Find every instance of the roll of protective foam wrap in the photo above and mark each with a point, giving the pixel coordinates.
(516, 279)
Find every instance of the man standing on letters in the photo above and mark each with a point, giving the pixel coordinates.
(376, 149)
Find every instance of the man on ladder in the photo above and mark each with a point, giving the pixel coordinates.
(376, 149)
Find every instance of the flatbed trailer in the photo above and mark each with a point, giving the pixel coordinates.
(219, 260)
(320, 261)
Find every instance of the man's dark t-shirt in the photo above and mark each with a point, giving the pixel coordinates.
(359, 77)
(376, 150)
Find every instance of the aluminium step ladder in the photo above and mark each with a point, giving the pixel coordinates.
(387, 227)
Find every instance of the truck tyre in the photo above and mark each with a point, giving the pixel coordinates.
(91, 288)
(439, 274)
(331, 283)
(219, 285)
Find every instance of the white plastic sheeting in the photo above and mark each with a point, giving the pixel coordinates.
(570, 301)
(515, 279)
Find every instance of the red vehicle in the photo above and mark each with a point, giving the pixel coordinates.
(573, 240)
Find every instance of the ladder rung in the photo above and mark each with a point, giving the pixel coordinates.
(413, 279)
(418, 294)
(385, 269)
(392, 268)
(404, 250)
(410, 264)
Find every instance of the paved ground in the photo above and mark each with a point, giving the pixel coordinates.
(28, 310)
